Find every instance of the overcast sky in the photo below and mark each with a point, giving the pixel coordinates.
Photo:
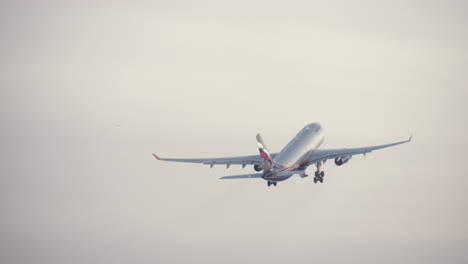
(89, 90)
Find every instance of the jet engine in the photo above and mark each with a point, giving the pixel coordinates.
(342, 160)
(258, 167)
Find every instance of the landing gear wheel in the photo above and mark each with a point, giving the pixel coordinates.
(315, 180)
(321, 179)
(322, 173)
(274, 183)
(268, 183)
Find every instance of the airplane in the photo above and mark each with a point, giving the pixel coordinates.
(301, 152)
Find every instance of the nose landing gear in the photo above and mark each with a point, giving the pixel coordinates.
(271, 183)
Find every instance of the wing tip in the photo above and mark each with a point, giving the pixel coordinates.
(410, 138)
(156, 156)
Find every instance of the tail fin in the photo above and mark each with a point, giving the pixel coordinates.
(266, 158)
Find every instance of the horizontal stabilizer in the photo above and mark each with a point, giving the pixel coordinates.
(288, 173)
(260, 175)
(243, 176)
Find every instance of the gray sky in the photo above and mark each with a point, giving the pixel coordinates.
(89, 90)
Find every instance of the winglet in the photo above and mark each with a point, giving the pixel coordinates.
(156, 156)
(409, 140)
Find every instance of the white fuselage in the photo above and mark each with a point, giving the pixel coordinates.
(296, 153)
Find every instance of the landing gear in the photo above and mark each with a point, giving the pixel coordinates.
(319, 174)
(271, 183)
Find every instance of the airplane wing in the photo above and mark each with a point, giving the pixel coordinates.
(325, 154)
(240, 160)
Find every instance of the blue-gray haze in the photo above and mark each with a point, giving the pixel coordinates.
(89, 89)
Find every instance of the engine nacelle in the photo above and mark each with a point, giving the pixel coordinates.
(342, 160)
(258, 167)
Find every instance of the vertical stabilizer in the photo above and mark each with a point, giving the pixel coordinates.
(264, 153)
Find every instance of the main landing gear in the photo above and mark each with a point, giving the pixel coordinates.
(271, 183)
(319, 174)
